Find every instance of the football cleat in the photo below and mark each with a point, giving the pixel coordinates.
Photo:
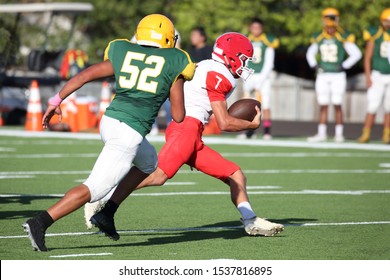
(267, 137)
(106, 225)
(316, 138)
(259, 226)
(36, 233)
(91, 209)
(339, 139)
(365, 137)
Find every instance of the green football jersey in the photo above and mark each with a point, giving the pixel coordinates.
(260, 44)
(331, 49)
(144, 76)
(381, 38)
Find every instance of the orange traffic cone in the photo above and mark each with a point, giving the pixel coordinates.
(71, 111)
(105, 99)
(211, 127)
(34, 109)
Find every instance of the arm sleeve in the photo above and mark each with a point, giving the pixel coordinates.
(354, 55)
(269, 58)
(311, 55)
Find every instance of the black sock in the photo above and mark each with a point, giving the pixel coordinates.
(110, 208)
(249, 133)
(45, 219)
(267, 130)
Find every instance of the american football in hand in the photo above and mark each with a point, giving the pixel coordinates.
(244, 109)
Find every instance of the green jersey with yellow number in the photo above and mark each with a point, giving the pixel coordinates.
(144, 76)
(381, 38)
(331, 49)
(260, 44)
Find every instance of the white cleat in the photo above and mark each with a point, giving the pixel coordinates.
(241, 136)
(91, 209)
(316, 138)
(267, 137)
(259, 226)
(339, 139)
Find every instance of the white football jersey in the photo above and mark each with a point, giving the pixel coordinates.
(212, 82)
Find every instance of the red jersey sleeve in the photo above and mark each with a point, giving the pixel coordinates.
(217, 86)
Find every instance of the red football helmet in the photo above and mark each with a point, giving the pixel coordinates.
(234, 50)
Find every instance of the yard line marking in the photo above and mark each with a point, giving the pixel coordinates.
(90, 155)
(256, 171)
(203, 229)
(15, 176)
(262, 187)
(81, 255)
(208, 140)
(55, 156)
(384, 165)
(6, 149)
(179, 183)
(303, 155)
(306, 192)
(50, 142)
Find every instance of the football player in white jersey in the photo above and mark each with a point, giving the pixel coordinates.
(213, 82)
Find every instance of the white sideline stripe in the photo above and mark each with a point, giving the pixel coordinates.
(207, 140)
(264, 171)
(347, 192)
(384, 165)
(50, 142)
(92, 155)
(302, 155)
(81, 255)
(236, 155)
(203, 229)
(262, 187)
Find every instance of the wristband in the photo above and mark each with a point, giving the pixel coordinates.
(56, 100)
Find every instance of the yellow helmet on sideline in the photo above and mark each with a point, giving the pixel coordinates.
(385, 15)
(157, 31)
(330, 17)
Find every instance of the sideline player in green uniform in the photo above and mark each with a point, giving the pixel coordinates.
(333, 44)
(146, 73)
(377, 70)
(258, 86)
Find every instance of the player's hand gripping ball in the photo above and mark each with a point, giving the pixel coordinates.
(244, 109)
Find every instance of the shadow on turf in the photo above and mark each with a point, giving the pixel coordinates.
(226, 230)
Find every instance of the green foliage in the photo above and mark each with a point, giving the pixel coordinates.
(293, 21)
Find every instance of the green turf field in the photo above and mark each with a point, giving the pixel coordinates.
(334, 203)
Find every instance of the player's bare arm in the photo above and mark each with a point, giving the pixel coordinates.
(176, 96)
(228, 123)
(368, 53)
(94, 72)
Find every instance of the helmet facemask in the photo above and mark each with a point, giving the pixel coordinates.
(244, 72)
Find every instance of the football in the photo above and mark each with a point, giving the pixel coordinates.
(244, 109)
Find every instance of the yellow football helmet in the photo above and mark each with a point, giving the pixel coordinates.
(385, 15)
(330, 17)
(157, 31)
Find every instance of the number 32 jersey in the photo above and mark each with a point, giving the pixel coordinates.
(331, 48)
(212, 82)
(144, 76)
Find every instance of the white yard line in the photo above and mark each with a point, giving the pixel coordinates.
(207, 140)
(304, 192)
(161, 230)
(251, 171)
(81, 255)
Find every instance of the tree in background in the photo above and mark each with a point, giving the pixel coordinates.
(293, 21)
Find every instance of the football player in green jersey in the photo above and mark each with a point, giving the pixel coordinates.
(377, 70)
(258, 86)
(146, 74)
(333, 45)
